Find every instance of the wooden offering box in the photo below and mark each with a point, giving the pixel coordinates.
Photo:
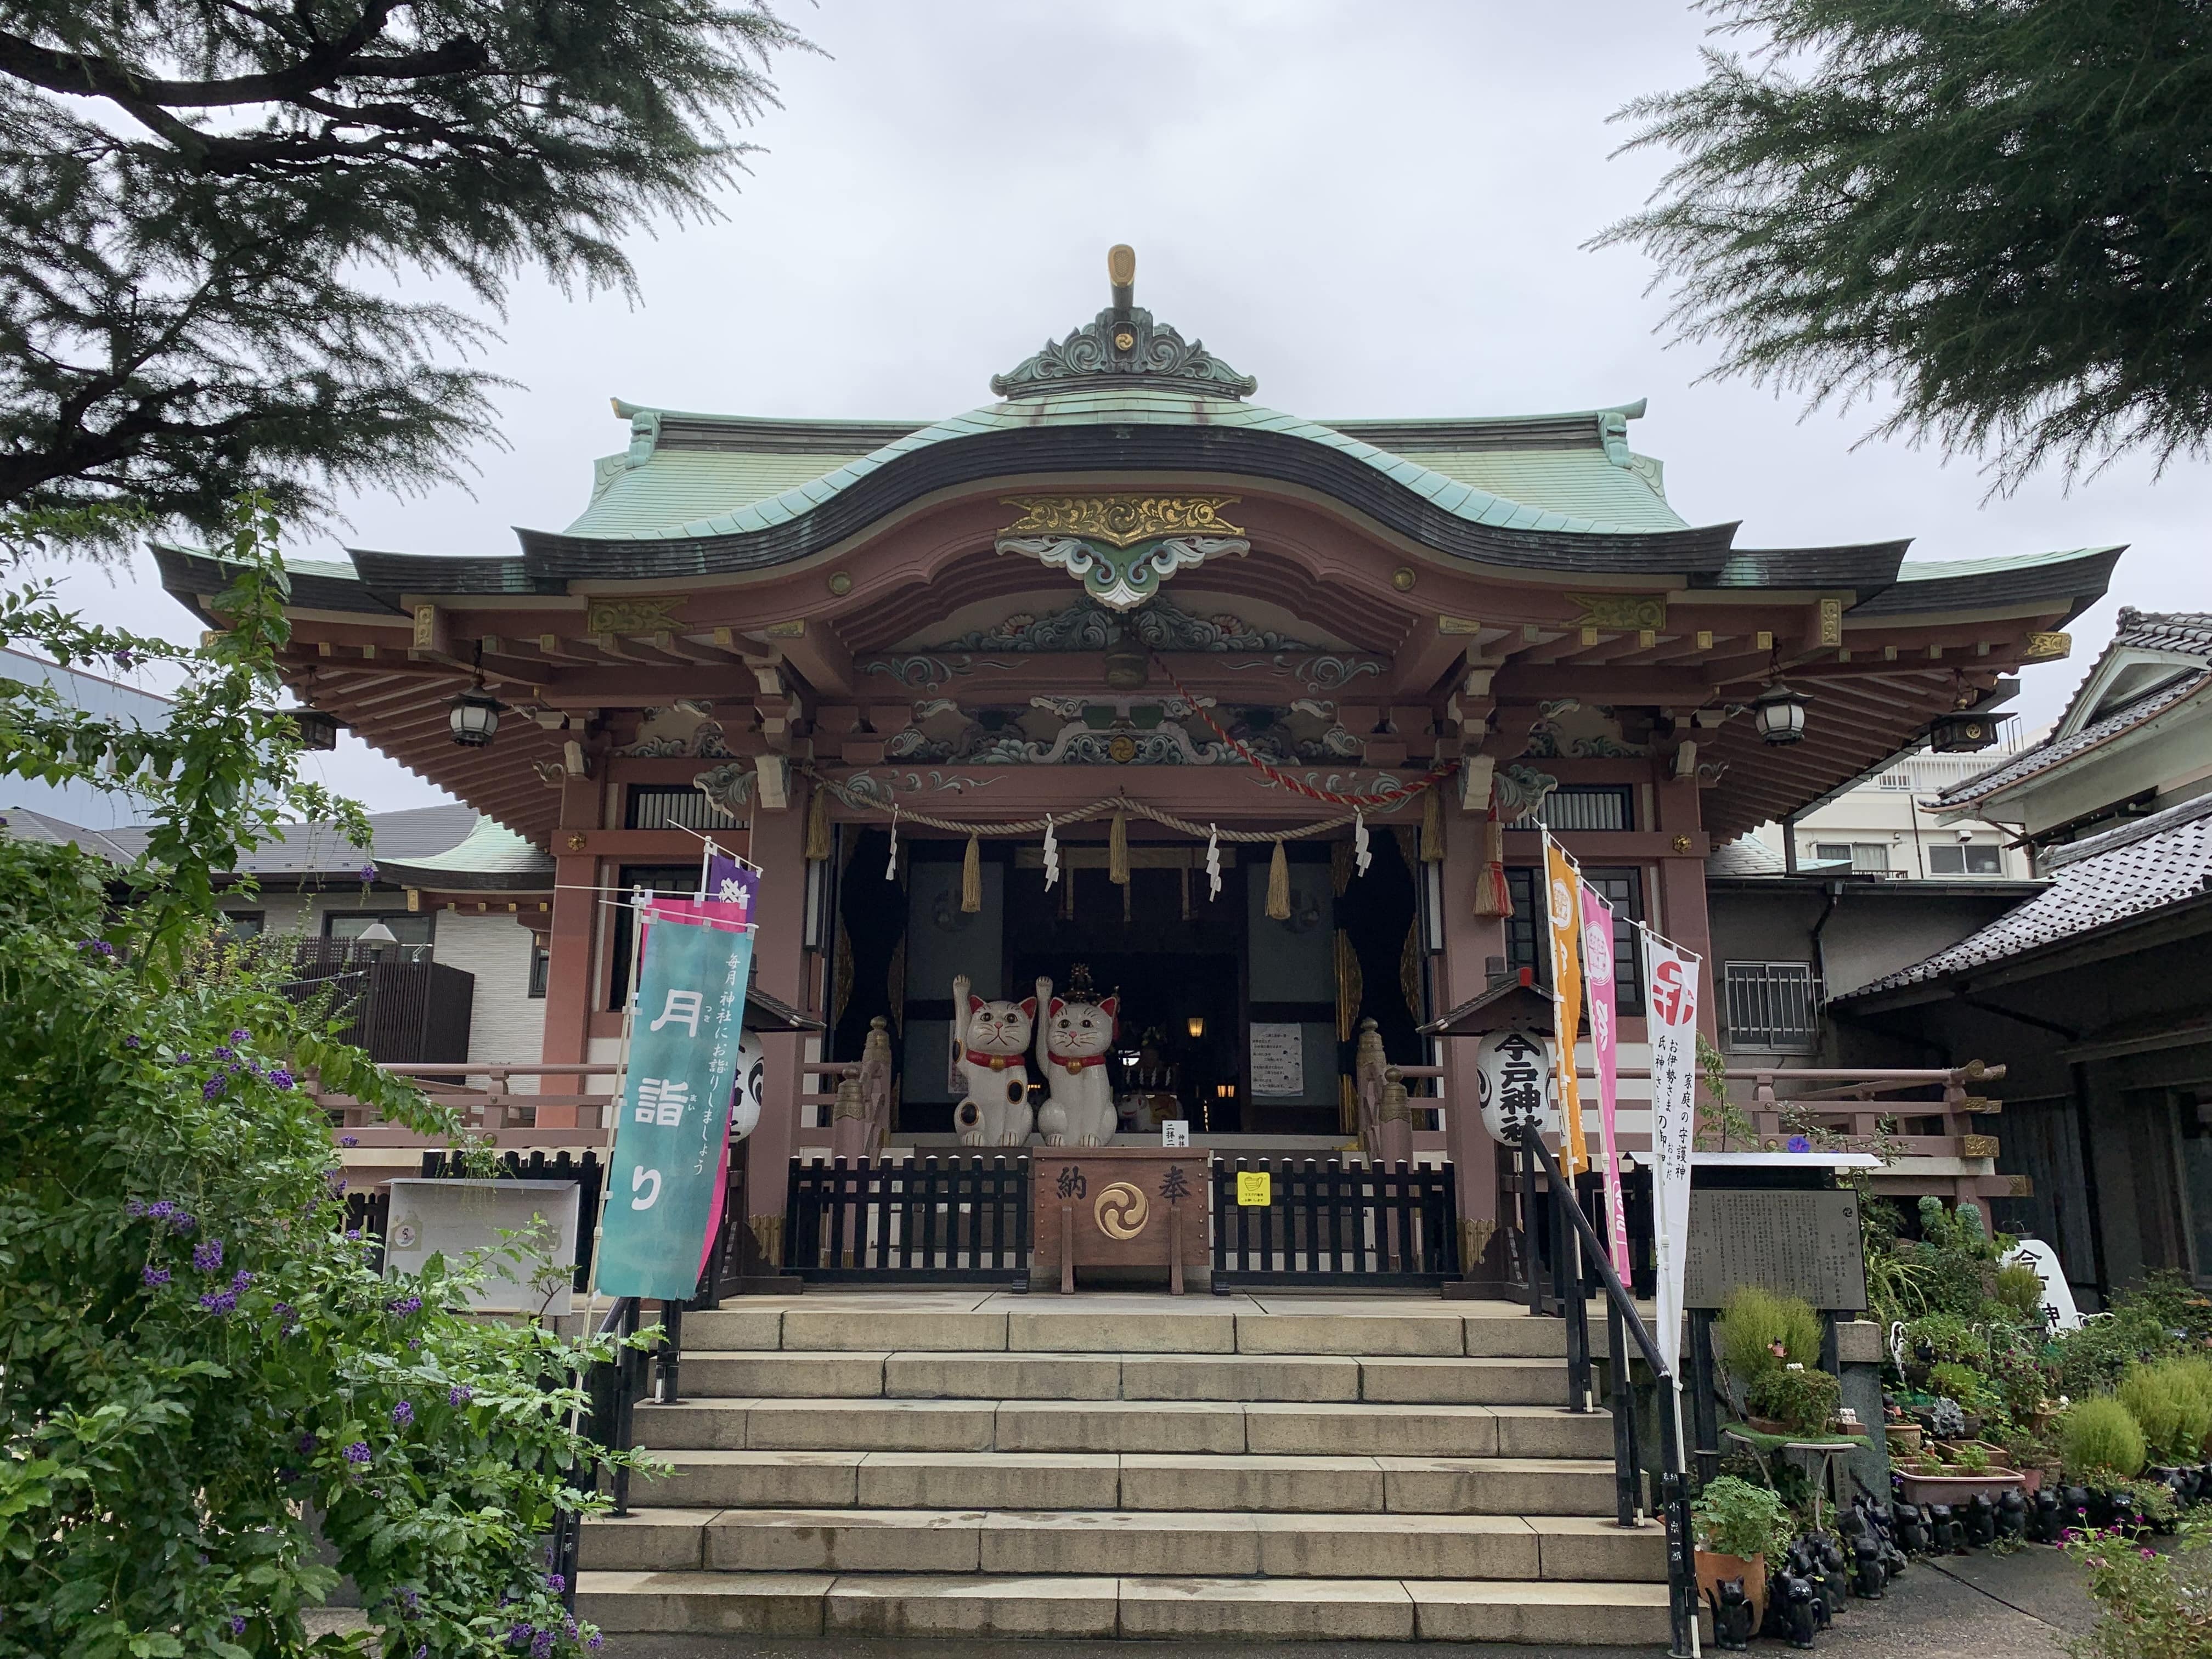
(1119, 1206)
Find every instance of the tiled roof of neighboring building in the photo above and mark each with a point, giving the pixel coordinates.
(2139, 867)
(1746, 855)
(2186, 632)
(319, 848)
(23, 824)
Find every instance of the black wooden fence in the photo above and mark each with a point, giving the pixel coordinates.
(1359, 1224)
(964, 1220)
(399, 1004)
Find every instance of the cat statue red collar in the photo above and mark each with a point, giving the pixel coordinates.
(1075, 1036)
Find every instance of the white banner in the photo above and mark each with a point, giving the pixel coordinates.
(1671, 976)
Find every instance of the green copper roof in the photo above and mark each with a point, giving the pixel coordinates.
(691, 476)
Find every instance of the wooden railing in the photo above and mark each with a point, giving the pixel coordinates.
(515, 1118)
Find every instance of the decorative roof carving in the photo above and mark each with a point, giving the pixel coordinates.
(1123, 518)
(1123, 344)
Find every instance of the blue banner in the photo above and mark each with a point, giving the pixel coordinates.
(666, 1162)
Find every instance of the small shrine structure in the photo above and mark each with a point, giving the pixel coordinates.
(1285, 695)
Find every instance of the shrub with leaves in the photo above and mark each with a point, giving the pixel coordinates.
(1733, 1517)
(1754, 1320)
(195, 1358)
(2152, 1604)
(2171, 1399)
(2099, 1439)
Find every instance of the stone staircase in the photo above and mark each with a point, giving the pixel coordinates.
(976, 1465)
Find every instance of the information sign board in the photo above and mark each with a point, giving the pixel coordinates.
(1794, 1243)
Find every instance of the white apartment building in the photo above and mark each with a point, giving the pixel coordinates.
(1884, 827)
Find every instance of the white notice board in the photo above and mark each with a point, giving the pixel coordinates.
(1278, 1061)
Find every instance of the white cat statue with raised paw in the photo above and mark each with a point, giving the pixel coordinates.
(993, 1039)
(1074, 1037)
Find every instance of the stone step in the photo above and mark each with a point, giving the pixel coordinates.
(1130, 1481)
(1268, 1428)
(890, 1323)
(1396, 1379)
(985, 1606)
(1120, 1543)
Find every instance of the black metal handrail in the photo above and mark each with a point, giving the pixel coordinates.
(1572, 1237)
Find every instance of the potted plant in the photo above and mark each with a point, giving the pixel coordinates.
(1737, 1525)
(1793, 1399)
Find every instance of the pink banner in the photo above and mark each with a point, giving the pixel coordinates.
(1598, 970)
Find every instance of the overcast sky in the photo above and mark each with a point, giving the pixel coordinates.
(1377, 209)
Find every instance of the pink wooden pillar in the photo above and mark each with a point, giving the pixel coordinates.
(1470, 941)
(779, 847)
(570, 944)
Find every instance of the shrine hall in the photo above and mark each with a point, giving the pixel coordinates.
(1127, 692)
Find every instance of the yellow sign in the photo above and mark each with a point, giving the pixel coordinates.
(1254, 1189)
(1564, 881)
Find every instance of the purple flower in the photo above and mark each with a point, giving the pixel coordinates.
(349, 1140)
(220, 1302)
(240, 1280)
(279, 1078)
(368, 872)
(422, 1652)
(239, 1035)
(403, 1413)
(1799, 1143)
(358, 1452)
(542, 1646)
(518, 1636)
(130, 1042)
(97, 946)
(353, 1234)
(403, 1305)
(307, 1444)
(154, 1276)
(457, 1394)
(161, 1210)
(597, 1642)
(287, 1474)
(556, 1583)
(184, 1057)
(238, 1624)
(222, 1053)
(134, 1209)
(183, 1222)
(409, 1599)
(212, 1089)
(209, 1256)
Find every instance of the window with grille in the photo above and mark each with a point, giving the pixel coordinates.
(1771, 1007)
(1895, 780)
(1525, 946)
(1866, 857)
(672, 806)
(1963, 859)
(1585, 807)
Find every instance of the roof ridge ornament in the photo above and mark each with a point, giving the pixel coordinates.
(1123, 344)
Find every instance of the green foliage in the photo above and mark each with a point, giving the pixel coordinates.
(2019, 1287)
(208, 214)
(196, 1358)
(2171, 1400)
(1803, 1399)
(1946, 1336)
(1993, 211)
(1721, 1122)
(2152, 1604)
(1964, 1384)
(1753, 1320)
(1972, 1459)
(2098, 1437)
(2164, 1317)
(1732, 1516)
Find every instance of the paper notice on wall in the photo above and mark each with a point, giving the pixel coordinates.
(1278, 1061)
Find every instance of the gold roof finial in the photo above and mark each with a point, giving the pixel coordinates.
(1122, 272)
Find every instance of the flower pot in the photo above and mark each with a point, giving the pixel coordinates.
(1930, 1488)
(1714, 1570)
(1903, 1438)
(2031, 1481)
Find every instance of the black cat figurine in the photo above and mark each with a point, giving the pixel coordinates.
(1835, 1573)
(1731, 1615)
(1800, 1608)
(1980, 1522)
(1912, 1530)
(2047, 1516)
(1944, 1535)
(1893, 1562)
(1868, 1576)
(2011, 1514)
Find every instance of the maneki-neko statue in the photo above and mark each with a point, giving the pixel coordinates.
(993, 1039)
(1075, 1036)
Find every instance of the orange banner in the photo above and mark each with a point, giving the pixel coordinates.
(1563, 887)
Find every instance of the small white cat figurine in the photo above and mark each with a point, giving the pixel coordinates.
(1075, 1036)
(993, 1042)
